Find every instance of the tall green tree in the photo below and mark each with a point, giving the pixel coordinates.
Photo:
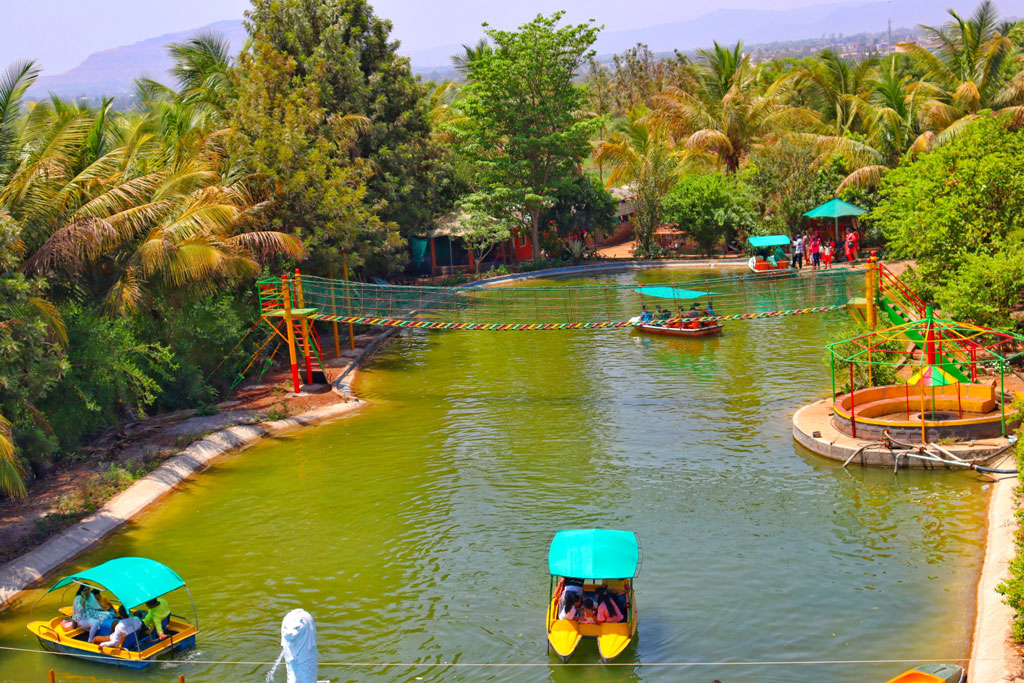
(640, 155)
(968, 194)
(525, 132)
(345, 50)
(305, 157)
(710, 207)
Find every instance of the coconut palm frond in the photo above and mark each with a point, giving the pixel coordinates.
(865, 177)
(12, 482)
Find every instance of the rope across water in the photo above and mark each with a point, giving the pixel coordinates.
(526, 665)
(496, 327)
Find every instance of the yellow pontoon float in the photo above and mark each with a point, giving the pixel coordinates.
(595, 564)
(133, 582)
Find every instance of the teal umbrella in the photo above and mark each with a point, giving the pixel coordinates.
(835, 209)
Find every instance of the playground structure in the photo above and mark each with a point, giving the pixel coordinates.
(945, 398)
(922, 391)
(291, 305)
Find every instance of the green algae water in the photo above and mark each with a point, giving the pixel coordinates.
(416, 530)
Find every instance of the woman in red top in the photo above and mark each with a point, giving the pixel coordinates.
(851, 245)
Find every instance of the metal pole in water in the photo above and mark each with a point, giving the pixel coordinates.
(348, 302)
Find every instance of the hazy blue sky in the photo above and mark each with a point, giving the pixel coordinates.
(61, 33)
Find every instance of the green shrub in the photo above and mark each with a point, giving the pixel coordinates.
(111, 375)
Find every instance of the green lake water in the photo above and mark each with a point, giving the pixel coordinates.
(416, 530)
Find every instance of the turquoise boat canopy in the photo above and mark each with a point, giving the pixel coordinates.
(594, 554)
(835, 208)
(760, 241)
(673, 293)
(133, 580)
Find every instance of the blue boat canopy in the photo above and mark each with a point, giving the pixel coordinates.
(760, 241)
(673, 293)
(133, 580)
(594, 554)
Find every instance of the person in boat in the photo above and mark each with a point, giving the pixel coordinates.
(780, 255)
(665, 314)
(570, 605)
(608, 611)
(123, 627)
(709, 310)
(645, 315)
(82, 615)
(158, 610)
(100, 606)
(588, 612)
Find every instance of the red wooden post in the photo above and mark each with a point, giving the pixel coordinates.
(907, 385)
(53, 676)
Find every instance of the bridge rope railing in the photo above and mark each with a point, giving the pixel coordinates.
(566, 306)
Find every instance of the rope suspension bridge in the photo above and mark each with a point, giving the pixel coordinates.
(291, 305)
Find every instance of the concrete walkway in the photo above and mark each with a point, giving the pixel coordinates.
(994, 657)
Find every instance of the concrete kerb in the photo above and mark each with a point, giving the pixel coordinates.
(24, 572)
(813, 429)
(992, 649)
(605, 267)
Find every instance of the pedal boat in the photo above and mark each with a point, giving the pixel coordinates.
(681, 328)
(133, 581)
(678, 326)
(763, 266)
(932, 673)
(600, 558)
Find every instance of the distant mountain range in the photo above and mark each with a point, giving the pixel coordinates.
(113, 71)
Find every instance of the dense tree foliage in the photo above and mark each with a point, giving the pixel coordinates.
(711, 208)
(523, 131)
(129, 239)
(345, 50)
(959, 210)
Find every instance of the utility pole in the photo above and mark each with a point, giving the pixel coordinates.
(888, 47)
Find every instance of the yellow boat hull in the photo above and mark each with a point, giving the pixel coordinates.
(54, 637)
(565, 636)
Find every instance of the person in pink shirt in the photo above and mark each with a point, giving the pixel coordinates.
(608, 611)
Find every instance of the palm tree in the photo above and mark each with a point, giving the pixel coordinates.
(721, 114)
(470, 53)
(202, 68)
(891, 120)
(833, 84)
(441, 105)
(129, 204)
(639, 152)
(18, 78)
(968, 69)
(11, 474)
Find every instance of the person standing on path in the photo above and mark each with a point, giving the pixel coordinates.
(826, 253)
(815, 252)
(798, 252)
(850, 249)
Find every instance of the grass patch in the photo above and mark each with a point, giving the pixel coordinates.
(277, 412)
